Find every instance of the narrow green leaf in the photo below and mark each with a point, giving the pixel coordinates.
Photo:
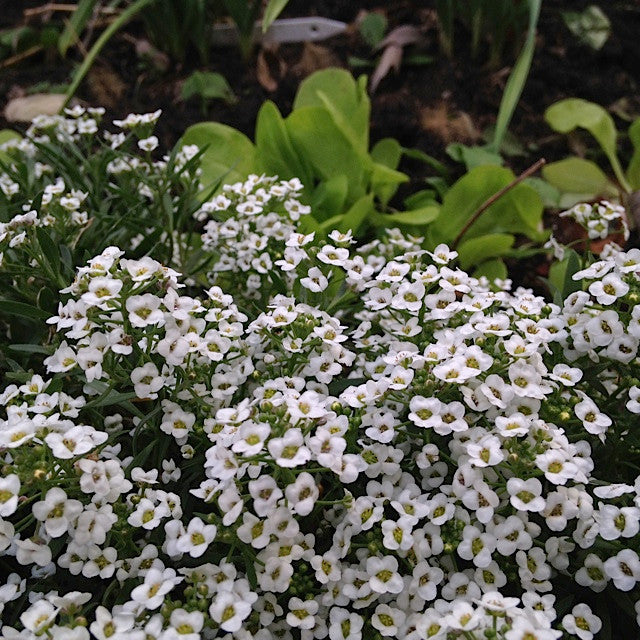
(388, 152)
(30, 348)
(372, 28)
(13, 308)
(208, 85)
(633, 170)
(5, 136)
(75, 25)
(385, 181)
(49, 249)
(517, 79)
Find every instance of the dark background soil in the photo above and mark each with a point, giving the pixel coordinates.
(422, 106)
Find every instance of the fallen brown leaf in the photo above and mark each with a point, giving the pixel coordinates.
(448, 125)
(314, 57)
(391, 58)
(270, 67)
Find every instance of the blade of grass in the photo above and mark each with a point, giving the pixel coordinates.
(87, 63)
(517, 79)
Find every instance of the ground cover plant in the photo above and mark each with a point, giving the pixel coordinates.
(244, 429)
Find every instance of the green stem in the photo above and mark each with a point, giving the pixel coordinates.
(123, 18)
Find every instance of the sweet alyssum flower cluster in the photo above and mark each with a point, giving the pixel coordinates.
(387, 447)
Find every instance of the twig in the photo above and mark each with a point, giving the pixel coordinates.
(19, 57)
(495, 197)
(66, 8)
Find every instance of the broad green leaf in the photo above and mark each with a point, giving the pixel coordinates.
(13, 308)
(344, 98)
(416, 217)
(385, 181)
(633, 170)
(5, 136)
(75, 25)
(550, 195)
(317, 138)
(272, 11)
(569, 114)
(473, 157)
(477, 250)
(275, 151)
(577, 175)
(492, 270)
(388, 152)
(422, 198)
(209, 86)
(519, 210)
(230, 155)
(329, 198)
(357, 214)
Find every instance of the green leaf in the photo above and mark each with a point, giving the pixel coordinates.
(517, 79)
(388, 152)
(344, 98)
(5, 136)
(13, 308)
(316, 137)
(229, 155)
(561, 279)
(49, 249)
(385, 181)
(415, 217)
(372, 28)
(569, 114)
(417, 154)
(274, 148)
(591, 26)
(633, 170)
(357, 214)
(422, 198)
(329, 198)
(75, 25)
(30, 348)
(209, 86)
(576, 175)
(473, 157)
(517, 211)
(272, 11)
(550, 195)
(477, 250)
(492, 270)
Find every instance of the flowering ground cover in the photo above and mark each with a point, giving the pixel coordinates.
(244, 430)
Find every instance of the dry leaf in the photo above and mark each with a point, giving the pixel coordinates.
(106, 86)
(449, 126)
(27, 108)
(314, 57)
(391, 58)
(270, 67)
(401, 36)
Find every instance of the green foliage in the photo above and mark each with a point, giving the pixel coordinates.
(324, 142)
(583, 177)
(490, 21)
(75, 25)
(372, 28)
(208, 85)
(517, 212)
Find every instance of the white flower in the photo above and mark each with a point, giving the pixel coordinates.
(9, 494)
(148, 144)
(57, 512)
(582, 622)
